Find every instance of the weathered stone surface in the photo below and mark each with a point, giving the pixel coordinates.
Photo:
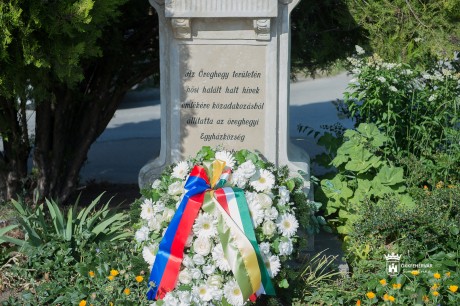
(225, 80)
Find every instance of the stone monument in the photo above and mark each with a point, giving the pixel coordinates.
(225, 80)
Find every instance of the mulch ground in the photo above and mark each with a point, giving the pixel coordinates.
(119, 194)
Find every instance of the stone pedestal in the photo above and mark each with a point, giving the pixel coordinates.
(225, 80)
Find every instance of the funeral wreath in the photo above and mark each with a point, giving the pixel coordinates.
(220, 228)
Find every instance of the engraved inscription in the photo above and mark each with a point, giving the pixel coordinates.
(222, 100)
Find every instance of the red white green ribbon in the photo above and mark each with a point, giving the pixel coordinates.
(235, 229)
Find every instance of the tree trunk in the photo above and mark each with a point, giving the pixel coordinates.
(69, 122)
(16, 147)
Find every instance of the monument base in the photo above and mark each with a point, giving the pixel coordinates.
(151, 171)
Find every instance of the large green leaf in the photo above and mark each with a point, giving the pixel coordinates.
(389, 175)
(361, 161)
(106, 223)
(56, 217)
(372, 133)
(8, 228)
(69, 227)
(336, 188)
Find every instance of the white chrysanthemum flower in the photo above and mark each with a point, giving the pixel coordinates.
(158, 206)
(199, 259)
(265, 200)
(273, 265)
(149, 253)
(285, 247)
(142, 234)
(181, 170)
(203, 292)
(217, 295)
(219, 257)
(168, 214)
(215, 281)
(252, 198)
(209, 269)
(156, 184)
(392, 88)
(264, 248)
(202, 246)
(233, 294)
(205, 226)
(170, 299)
(196, 273)
(147, 210)
(284, 195)
(263, 180)
(188, 261)
(287, 225)
(257, 213)
(185, 277)
(154, 224)
(238, 179)
(247, 169)
(184, 298)
(271, 213)
(227, 157)
(175, 188)
(381, 79)
(269, 228)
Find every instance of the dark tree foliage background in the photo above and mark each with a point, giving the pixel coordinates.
(323, 32)
(75, 60)
(416, 31)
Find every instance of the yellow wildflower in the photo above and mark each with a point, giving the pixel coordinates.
(435, 293)
(383, 282)
(358, 303)
(82, 303)
(425, 298)
(397, 286)
(448, 274)
(385, 297)
(91, 273)
(437, 275)
(439, 185)
(391, 298)
(370, 295)
(127, 291)
(139, 278)
(435, 286)
(110, 304)
(453, 288)
(114, 272)
(111, 277)
(415, 272)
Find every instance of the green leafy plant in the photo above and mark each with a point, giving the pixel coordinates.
(363, 173)
(108, 273)
(427, 232)
(414, 288)
(77, 227)
(418, 110)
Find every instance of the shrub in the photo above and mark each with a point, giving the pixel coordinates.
(417, 110)
(363, 174)
(427, 232)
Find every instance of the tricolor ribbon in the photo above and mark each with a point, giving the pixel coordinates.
(235, 229)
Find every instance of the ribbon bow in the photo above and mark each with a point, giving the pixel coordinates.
(235, 231)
